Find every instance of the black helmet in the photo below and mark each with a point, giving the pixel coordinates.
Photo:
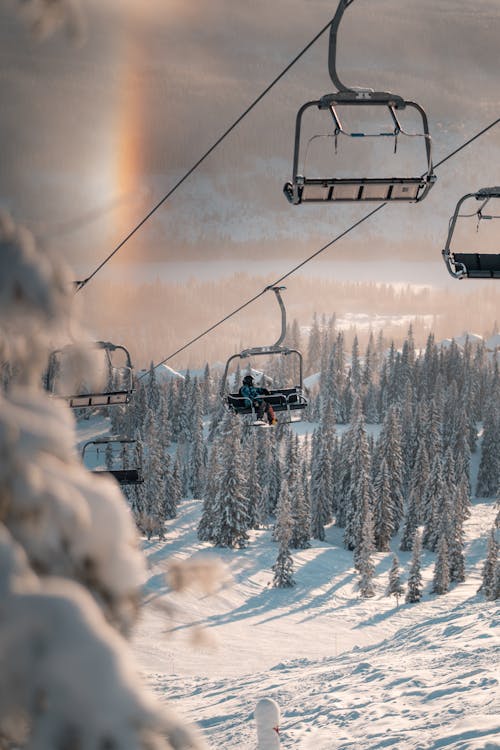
(248, 380)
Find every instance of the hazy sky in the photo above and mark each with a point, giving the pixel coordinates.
(110, 126)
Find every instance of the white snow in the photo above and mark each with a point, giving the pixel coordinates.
(346, 672)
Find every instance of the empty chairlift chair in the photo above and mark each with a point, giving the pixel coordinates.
(325, 188)
(479, 264)
(113, 456)
(291, 400)
(109, 382)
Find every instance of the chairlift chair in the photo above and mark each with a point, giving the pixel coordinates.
(469, 265)
(123, 475)
(288, 400)
(120, 380)
(304, 189)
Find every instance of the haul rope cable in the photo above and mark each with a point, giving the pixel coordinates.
(314, 255)
(84, 282)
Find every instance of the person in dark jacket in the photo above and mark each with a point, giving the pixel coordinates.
(253, 397)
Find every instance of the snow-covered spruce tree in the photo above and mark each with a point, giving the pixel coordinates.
(313, 359)
(301, 512)
(389, 447)
(365, 549)
(152, 520)
(415, 587)
(452, 518)
(360, 482)
(283, 567)
(489, 466)
(69, 551)
(231, 524)
(153, 393)
(395, 587)
(435, 491)
(489, 573)
(441, 579)
(208, 518)
(274, 473)
(198, 456)
(414, 514)
(253, 488)
(171, 498)
(319, 488)
(383, 521)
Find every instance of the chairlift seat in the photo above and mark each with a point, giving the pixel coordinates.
(281, 399)
(99, 399)
(478, 265)
(363, 189)
(122, 476)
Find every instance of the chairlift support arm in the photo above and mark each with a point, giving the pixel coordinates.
(332, 48)
(275, 348)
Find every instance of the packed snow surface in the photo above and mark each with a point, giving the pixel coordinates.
(346, 672)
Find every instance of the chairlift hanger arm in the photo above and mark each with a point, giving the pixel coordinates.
(355, 94)
(332, 48)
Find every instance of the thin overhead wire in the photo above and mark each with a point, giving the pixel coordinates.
(81, 284)
(314, 255)
(274, 283)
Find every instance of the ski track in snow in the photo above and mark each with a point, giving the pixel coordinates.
(346, 672)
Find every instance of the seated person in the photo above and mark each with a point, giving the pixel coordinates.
(253, 397)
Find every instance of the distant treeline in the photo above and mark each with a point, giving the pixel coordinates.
(154, 319)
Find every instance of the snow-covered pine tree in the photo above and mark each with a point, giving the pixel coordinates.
(415, 587)
(263, 438)
(170, 498)
(395, 587)
(314, 348)
(283, 567)
(301, 512)
(452, 518)
(198, 453)
(383, 521)
(275, 469)
(152, 519)
(232, 504)
(153, 394)
(489, 466)
(365, 549)
(441, 578)
(177, 472)
(136, 495)
(361, 487)
(389, 447)
(253, 490)
(320, 487)
(489, 573)
(435, 491)
(208, 519)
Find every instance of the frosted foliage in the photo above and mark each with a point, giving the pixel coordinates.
(58, 512)
(75, 686)
(34, 299)
(70, 563)
(45, 17)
